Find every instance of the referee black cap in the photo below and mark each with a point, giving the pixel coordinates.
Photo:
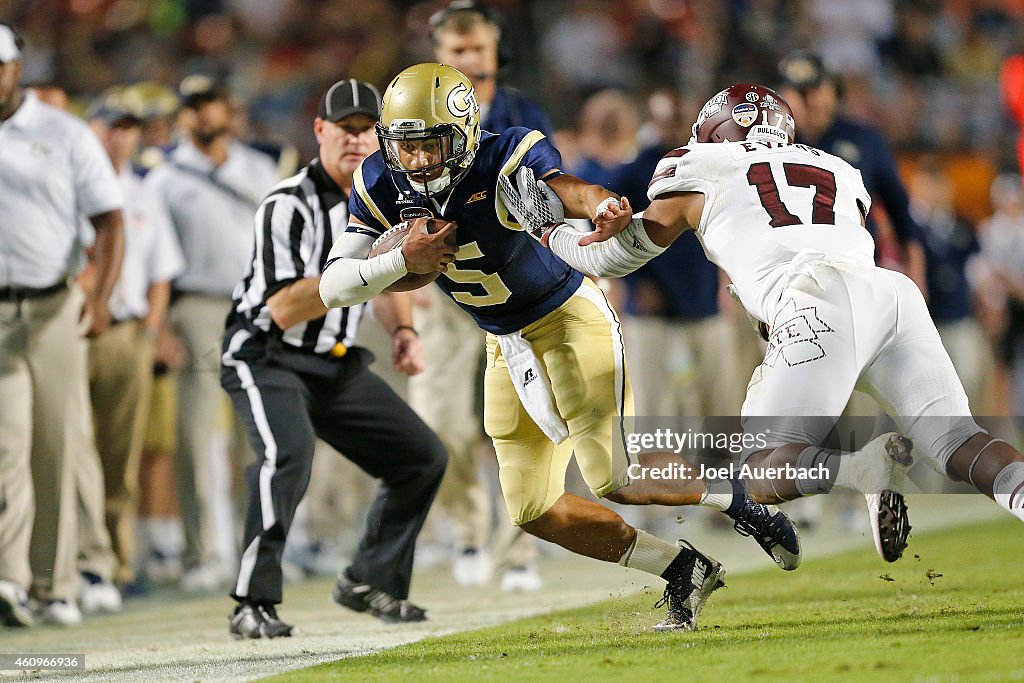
(348, 97)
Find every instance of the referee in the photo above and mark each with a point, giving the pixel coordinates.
(293, 374)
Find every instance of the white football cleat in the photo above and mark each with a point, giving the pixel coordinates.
(60, 613)
(881, 470)
(472, 567)
(881, 465)
(525, 579)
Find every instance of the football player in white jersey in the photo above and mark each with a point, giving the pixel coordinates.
(786, 223)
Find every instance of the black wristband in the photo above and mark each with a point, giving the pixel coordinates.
(405, 327)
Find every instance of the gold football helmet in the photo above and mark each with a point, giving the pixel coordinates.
(429, 127)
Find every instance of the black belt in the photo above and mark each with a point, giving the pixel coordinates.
(22, 293)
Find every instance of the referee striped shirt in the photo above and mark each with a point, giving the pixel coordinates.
(295, 227)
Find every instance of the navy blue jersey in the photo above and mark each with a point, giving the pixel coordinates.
(865, 149)
(596, 173)
(949, 243)
(503, 277)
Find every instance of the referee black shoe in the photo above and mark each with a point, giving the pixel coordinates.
(258, 620)
(362, 597)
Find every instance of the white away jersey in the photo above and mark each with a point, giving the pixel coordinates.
(765, 203)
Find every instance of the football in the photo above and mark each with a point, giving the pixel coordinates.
(394, 239)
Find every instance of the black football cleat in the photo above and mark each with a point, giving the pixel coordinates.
(258, 620)
(691, 577)
(771, 528)
(362, 597)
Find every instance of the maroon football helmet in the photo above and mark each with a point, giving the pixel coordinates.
(745, 110)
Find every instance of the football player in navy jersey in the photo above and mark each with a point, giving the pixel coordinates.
(471, 37)
(555, 378)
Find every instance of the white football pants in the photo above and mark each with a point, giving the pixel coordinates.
(838, 327)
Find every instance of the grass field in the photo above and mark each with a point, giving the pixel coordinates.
(952, 610)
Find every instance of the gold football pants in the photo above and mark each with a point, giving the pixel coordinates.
(579, 345)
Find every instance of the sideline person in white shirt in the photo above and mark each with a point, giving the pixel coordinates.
(211, 184)
(121, 359)
(52, 172)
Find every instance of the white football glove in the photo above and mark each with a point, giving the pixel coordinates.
(759, 327)
(535, 205)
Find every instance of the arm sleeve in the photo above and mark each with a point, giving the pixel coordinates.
(350, 278)
(362, 207)
(616, 257)
(539, 154)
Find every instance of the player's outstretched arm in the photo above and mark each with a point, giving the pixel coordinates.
(670, 215)
(536, 208)
(609, 213)
(350, 278)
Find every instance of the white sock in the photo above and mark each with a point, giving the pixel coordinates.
(717, 495)
(1008, 489)
(649, 554)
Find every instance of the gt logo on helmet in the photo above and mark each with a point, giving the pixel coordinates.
(468, 102)
(429, 129)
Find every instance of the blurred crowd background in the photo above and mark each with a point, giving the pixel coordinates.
(615, 78)
(924, 70)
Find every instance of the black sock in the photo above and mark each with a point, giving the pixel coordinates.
(739, 497)
(680, 565)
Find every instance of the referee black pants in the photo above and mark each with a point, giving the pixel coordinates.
(358, 414)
